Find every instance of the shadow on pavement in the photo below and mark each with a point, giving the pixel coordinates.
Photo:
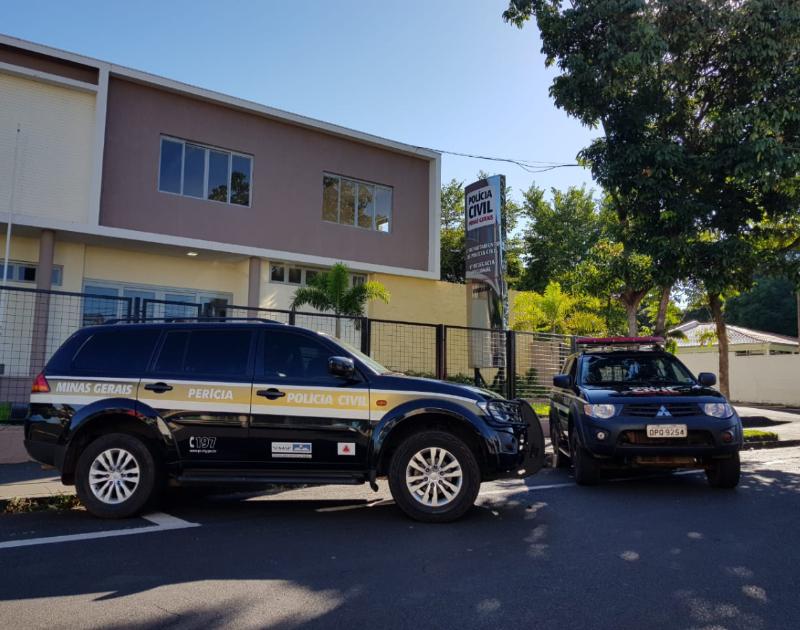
(656, 553)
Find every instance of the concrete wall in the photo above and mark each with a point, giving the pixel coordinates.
(773, 379)
(54, 155)
(286, 188)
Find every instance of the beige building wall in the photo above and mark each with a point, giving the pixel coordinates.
(773, 379)
(55, 149)
(180, 272)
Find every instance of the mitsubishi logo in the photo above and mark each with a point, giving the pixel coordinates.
(663, 412)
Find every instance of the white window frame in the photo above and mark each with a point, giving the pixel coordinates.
(303, 273)
(15, 265)
(206, 160)
(159, 291)
(357, 183)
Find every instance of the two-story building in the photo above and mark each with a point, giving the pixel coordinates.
(122, 183)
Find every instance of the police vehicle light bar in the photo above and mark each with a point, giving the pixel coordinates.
(610, 341)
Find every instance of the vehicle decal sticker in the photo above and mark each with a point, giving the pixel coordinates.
(202, 445)
(346, 448)
(292, 450)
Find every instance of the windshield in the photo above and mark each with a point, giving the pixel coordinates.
(638, 369)
(371, 363)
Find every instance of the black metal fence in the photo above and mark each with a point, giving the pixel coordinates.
(34, 323)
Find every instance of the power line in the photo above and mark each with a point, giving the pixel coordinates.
(530, 166)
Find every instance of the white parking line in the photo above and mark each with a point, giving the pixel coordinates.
(161, 523)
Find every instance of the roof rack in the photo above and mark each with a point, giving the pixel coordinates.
(180, 320)
(620, 343)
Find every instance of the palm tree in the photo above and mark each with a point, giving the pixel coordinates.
(331, 291)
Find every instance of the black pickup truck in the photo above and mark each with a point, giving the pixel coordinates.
(624, 402)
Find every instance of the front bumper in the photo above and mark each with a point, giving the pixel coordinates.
(627, 437)
(521, 449)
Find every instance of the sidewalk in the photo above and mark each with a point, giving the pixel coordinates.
(30, 481)
(785, 423)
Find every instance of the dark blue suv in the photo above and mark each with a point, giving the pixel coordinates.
(624, 402)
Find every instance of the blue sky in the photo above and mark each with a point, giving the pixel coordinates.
(446, 74)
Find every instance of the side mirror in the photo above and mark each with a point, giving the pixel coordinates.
(707, 379)
(342, 367)
(564, 381)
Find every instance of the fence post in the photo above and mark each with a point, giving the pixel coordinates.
(366, 334)
(511, 364)
(441, 351)
(292, 317)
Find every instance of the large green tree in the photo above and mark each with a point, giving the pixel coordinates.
(697, 101)
(558, 235)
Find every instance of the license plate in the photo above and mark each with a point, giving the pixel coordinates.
(666, 431)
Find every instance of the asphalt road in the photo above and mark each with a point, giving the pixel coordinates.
(655, 552)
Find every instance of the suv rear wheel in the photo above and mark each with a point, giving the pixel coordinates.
(724, 473)
(587, 468)
(116, 476)
(434, 477)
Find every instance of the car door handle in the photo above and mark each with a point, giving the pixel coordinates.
(158, 388)
(271, 393)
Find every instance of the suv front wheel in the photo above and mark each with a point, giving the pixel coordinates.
(434, 477)
(116, 476)
(587, 468)
(724, 473)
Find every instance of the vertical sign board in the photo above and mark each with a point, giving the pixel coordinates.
(487, 300)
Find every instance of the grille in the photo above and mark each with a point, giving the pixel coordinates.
(676, 410)
(639, 438)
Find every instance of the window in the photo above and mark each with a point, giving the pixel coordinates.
(26, 272)
(292, 357)
(116, 352)
(107, 304)
(276, 273)
(223, 353)
(284, 274)
(353, 202)
(295, 275)
(219, 352)
(202, 172)
(170, 358)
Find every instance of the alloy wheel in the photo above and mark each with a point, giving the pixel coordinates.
(114, 476)
(434, 476)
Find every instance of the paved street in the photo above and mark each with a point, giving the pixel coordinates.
(656, 552)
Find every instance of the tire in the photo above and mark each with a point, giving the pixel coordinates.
(560, 460)
(116, 476)
(446, 452)
(587, 468)
(724, 473)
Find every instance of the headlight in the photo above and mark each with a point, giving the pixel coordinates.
(502, 411)
(718, 410)
(603, 412)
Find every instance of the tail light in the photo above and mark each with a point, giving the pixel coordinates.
(40, 385)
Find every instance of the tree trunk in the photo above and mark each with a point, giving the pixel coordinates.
(631, 299)
(633, 325)
(661, 317)
(338, 326)
(715, 302)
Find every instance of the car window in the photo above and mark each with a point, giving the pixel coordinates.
(116, 352)
(638, 369)
(292, 357)
(213, 353)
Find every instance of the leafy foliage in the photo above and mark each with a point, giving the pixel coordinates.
(698, 105)
(331, 291)
(558, 235)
